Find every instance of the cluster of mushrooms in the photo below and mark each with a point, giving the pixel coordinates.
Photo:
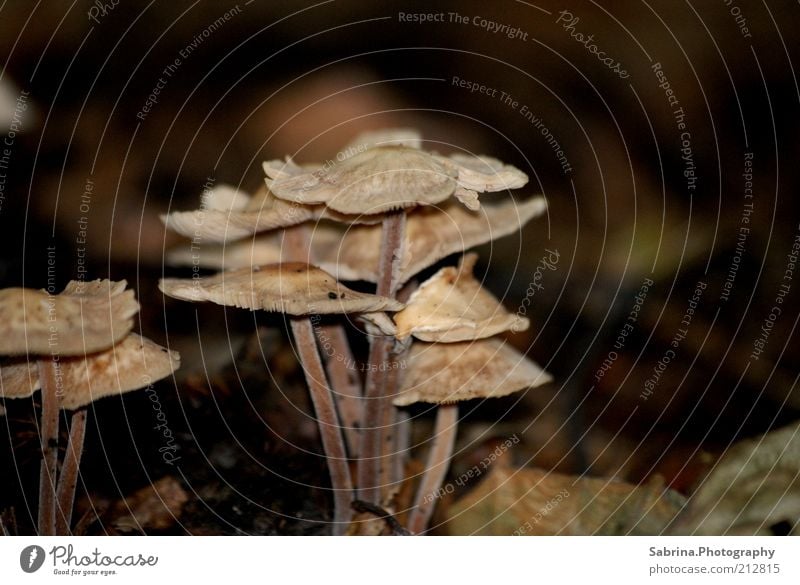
(77, 347)
(381, 211)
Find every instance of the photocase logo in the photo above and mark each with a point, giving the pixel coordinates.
(31, 558)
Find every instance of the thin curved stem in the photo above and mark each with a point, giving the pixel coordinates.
(329, 427)
(49, 438)
(345, 382)
(444, 437)
(68, 480)
(389, 268)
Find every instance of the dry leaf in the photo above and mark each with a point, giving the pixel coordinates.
(754, 485)
(528, 502)
(155, 507)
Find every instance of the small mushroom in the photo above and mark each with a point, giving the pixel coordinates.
(295, 288)
(85, 317)
(453, 306)
(130, 365)
(445, 373)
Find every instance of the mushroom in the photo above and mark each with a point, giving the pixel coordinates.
(446, 373)
(132, 364)
(298, 289)
(453, 306)
(85, 317)
(70, 328)
(381, 177)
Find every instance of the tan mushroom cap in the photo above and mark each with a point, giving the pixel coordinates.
(486, 174)
(453, 306)
(377, 180)
(133, 363)
(432, 233)
(229, 214)
(290, 287)
(244, 216)
(19, 378)
(443, 373)
(85, 317)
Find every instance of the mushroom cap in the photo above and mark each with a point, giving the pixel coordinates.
(295, 288)
(432, 233)
(377, 180)
(85, 317)
(19, 377)
(485, 173)
(133, 363)
(229, 214)
(443, 373)
(244, 216)
(453, 306)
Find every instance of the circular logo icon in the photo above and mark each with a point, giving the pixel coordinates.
(31, 558)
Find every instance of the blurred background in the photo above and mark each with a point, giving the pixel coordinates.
(663, 137)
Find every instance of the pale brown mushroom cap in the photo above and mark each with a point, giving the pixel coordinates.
(485, 173)
(132, 364)
(294, 288)
(432, 233)
(19, 378)
(244, 217)
(442, 373)
(377, 180)
(453, 306)
(85, 317)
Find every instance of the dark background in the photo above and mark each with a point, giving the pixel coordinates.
(283, 78)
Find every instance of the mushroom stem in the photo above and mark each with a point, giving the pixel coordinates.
(402, 444)
(345, 383)
(68, 480)
(389, 269)
(330, 431)
(444, 436)
(49, 437)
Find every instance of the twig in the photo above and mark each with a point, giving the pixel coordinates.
(49, 438)
(444, 436)
(68, 480)
(394, 526)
